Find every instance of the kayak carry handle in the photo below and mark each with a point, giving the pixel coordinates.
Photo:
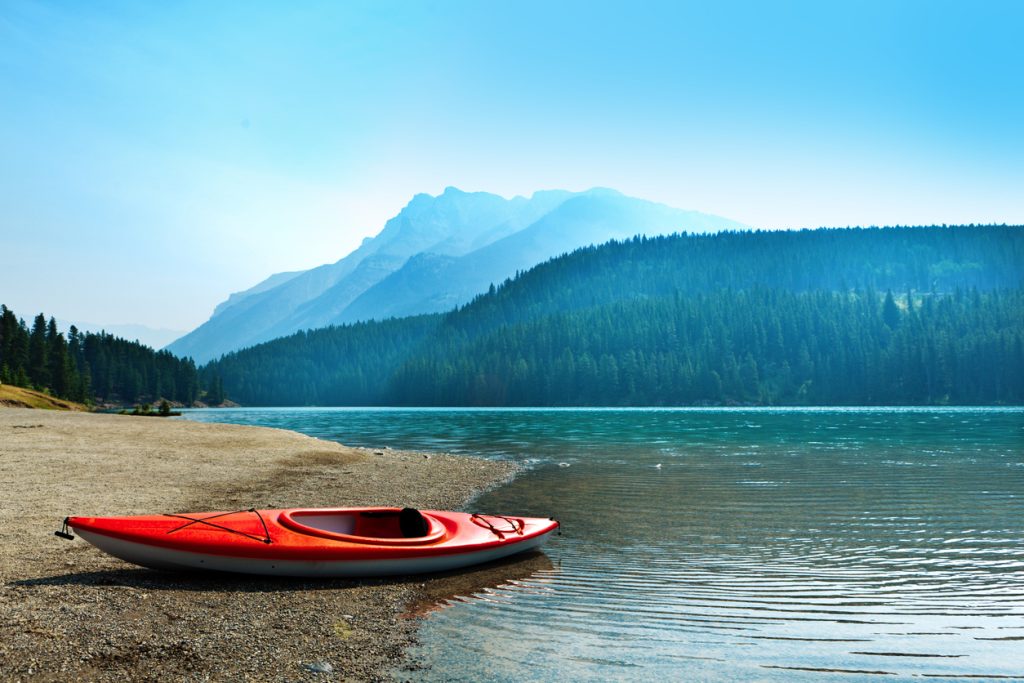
(64, 532)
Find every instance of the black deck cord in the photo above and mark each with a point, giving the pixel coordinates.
(260, 517)
(498, 532)
(518, 528)
(490, 526)
(205, 520)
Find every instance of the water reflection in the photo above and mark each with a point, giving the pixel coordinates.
(483, 582)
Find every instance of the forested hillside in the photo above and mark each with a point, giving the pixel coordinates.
(348, 365)
(86, 366)
(925, 260)
(758, 346)
(848, 316)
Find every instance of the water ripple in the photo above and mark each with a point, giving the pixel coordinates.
(774, 544)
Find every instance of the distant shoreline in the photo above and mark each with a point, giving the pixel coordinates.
(691, 408)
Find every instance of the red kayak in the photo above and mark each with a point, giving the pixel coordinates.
(313, 542)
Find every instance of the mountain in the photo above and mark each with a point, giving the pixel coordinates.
(438, 252)
(929, 315)
(432, 283)
(271, 282)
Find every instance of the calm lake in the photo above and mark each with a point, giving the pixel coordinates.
(731, 544)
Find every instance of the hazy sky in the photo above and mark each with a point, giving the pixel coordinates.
(156, 156)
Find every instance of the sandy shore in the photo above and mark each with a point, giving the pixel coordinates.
(69, 612)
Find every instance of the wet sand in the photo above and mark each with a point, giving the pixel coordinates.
(69, 612)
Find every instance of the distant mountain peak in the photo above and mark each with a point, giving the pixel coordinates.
(603, 192)
(475, 238)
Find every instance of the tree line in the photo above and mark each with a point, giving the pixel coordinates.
(347, 365)
(854, 316)
(757, 347)
(87, 366)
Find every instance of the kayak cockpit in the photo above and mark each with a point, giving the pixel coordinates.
(377, 526)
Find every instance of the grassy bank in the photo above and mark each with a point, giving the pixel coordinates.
(17, 397)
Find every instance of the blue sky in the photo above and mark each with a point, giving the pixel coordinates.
(156, 156)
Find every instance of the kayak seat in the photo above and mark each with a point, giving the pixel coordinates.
(374, 526)
(412, 523)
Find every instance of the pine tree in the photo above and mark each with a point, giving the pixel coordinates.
(82, 387)
(890, 311)
(59, 365)
(215, 392)
(38, 371)
(8, 331)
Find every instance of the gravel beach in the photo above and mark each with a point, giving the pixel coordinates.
(70, 612)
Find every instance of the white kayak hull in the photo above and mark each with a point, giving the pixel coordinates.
(156, 557)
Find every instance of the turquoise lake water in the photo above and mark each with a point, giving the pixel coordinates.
(731, 544)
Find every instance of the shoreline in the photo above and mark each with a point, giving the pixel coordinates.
(68, 611)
